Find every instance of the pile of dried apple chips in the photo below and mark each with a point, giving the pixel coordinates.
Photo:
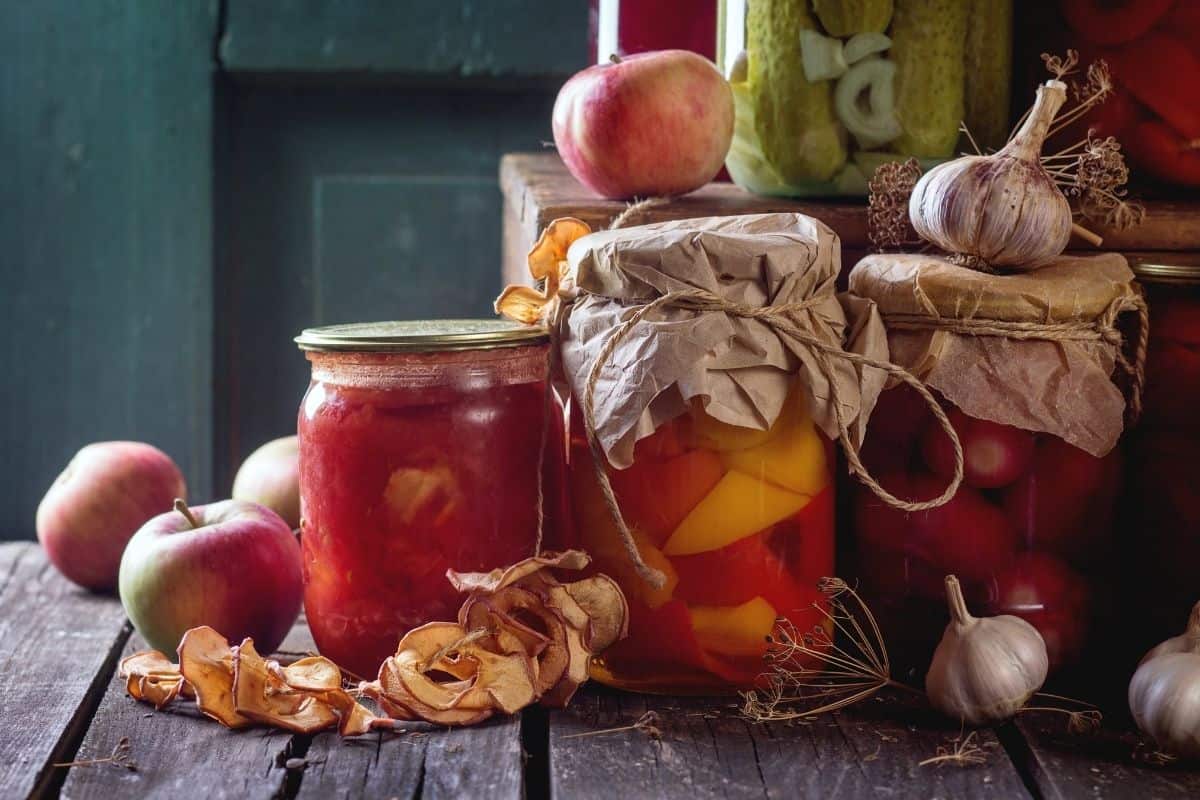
(521, 637)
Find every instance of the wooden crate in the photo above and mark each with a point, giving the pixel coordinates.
(537, 189)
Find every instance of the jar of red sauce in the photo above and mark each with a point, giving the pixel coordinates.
(1163, 501)
(420, 450)
(739, 520)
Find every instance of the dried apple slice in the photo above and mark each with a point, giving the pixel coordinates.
(505, 681)
(394, 698)
(497, 579)
(312, 674)
(606, 607)
(576, 673)
(206, 663)
(515, 611)
(261, 695)
(152, 678)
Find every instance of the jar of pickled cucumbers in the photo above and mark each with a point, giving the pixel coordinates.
(827, 91)
(1033, 375)
(701, 358)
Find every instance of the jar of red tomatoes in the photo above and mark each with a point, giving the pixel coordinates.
(424, 446)
(1028, 369)
(700, 461)
(1163, 499)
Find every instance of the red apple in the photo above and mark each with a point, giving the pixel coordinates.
(233, 565)
(650, 125)
(99, 501)
(1066, 501)
(270, 476)
(1049, 595)
(994, 455)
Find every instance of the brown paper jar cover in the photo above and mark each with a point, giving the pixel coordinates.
(1040, 367)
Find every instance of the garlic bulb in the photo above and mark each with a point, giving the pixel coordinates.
(998, 210)
(985, 668)
(1164, 694)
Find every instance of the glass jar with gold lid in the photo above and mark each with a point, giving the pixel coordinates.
(424, 446)
(1162, 502)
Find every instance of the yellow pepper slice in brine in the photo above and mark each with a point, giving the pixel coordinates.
(734, 630)
(738, 506)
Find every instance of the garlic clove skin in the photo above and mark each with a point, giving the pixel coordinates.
(1164, 693)
(985, 668)
(998, 210)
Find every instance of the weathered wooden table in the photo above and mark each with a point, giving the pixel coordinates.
(60, 702)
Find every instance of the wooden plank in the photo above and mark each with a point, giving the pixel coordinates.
(707, 750)
(175, 751)
(106, 130)
(60, 645)
(476, 38)
(1113, 763)
(178, 752)
(537, 189)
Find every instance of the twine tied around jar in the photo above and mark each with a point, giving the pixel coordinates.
(779, 318)
(545, 309)
(1102, 330)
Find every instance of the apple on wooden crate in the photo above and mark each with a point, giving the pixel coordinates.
(649, 125)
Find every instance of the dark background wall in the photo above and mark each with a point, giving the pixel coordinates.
(188, 184)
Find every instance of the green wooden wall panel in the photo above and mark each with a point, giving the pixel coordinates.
(489, 38)
(350, 205)
(105, 236)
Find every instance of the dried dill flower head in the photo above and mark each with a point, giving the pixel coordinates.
(888, 226)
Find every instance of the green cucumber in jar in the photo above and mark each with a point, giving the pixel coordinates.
(794, 117)
(844, 18)
(988, 71)
(928, 46)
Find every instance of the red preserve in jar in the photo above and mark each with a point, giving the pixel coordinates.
(1163, 501)
(1031, 529)
(419, 452)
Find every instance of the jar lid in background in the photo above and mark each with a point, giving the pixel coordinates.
(420, 336)
(1179, 269)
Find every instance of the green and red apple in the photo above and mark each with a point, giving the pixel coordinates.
(106, 493)
(234, 566)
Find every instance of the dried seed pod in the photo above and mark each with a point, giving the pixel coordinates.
(985, 668)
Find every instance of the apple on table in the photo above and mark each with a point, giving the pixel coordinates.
(234, 566)
(270, 476)
(107, 492)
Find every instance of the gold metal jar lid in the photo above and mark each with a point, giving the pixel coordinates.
(1180, 269)
(411, 336)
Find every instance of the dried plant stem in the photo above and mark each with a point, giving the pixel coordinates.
(963, 753)
(647, 723)
(122, 756)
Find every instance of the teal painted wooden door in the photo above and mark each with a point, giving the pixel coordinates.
(191, 183)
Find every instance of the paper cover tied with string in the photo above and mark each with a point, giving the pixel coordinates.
(1038, 350)
(692, 347)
